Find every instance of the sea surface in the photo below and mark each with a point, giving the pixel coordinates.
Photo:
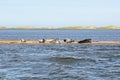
(98, 35)
(60, 61)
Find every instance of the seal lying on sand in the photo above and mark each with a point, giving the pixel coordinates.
(41, 40)
(68, 40)
(85, 41)
(51, 40)
(23, 40)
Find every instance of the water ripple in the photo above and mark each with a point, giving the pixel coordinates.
(60, 62)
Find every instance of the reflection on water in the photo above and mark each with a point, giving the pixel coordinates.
(60, 62)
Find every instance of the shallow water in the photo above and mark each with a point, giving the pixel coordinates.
(60, 61)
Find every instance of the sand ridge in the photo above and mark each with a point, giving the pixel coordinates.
(37, 42)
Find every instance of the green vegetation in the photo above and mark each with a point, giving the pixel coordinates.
(79, 27)
(91, 27)
(23, 27)
(109, 27)
(2, 27)
(62, 28)
(71, 27)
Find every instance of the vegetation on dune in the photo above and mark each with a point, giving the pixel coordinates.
(109, 27)
(24, 27)
(91, 27)
(71, 27)
(67, 27)
(2, 27)
(79, 27)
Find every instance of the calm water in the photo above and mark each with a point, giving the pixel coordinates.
(106, 35)
(60, 62)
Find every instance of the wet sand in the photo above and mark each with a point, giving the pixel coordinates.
(37, 42)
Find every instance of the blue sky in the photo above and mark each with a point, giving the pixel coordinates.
(58, 13)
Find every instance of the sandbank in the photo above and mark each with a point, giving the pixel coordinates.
(37, 42)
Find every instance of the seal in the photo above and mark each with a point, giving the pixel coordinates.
(85, 41)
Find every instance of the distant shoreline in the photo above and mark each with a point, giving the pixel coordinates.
(110, 27)
(55, 29)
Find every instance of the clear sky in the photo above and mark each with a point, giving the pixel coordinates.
(58, 13)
